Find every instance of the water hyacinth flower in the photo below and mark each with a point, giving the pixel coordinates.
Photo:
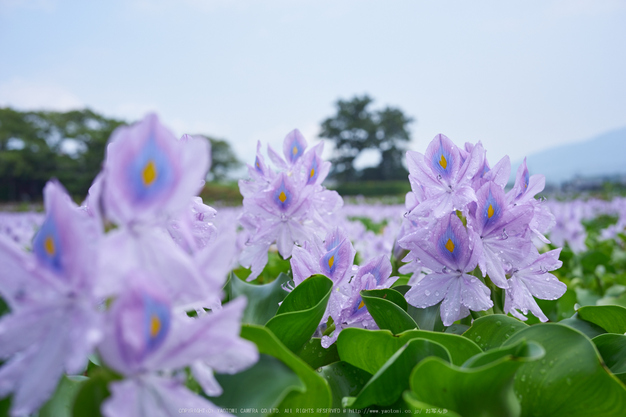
(53, 325)
(333, 258)
(288, 207)
(502, 232)
(147, 187)
(346, 305)
(149, 174)
(445, 176)
(452, 256)
(149, 344)
(533, 280)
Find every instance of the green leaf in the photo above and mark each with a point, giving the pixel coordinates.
(570, 380)
(457, 328)
(316, 356)
(316, 394)
(263, 386)
(263, 300)
(93, 393)
(418, 406)
(612, 348)
(387, 385)
(344, 380)
(485, 389)
(428, 318)
(610, 318)
(301, 312)
(61, 402)
(587, 328)
(491, 331)
(381, 345)
(388, 309)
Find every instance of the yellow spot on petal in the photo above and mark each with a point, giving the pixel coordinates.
(312, 172)
(331, 261)
(282, 197)
(490, 211)
(49, 247)
(443, 162)
(450, 245)
(361, 305)
(149, 173)
(294, 150)
(155, 326)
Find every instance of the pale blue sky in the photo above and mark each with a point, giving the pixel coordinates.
(520, 76)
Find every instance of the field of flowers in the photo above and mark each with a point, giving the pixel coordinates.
(468, 300)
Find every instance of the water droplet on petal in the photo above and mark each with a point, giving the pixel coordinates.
(426, 293)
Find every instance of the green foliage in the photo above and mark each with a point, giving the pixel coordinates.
(316, 392)
(38, 145)
(62, 401)
(570, 380)
(491, 331)
(263, 300)
(388, 383)
(301, 311)
(388, 309)
(263, 386)
(483, 387)
(355, 127)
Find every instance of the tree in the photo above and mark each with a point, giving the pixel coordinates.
(355, 128)
(223, 159)
(38, 145)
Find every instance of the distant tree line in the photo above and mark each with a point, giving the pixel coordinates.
(38, 145)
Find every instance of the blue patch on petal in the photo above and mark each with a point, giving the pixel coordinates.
(157, 318)
(295, 150)
(312, 171)
(330, 261)
(151, 173)
(257, 165)
(491, 211)
(47, 245)
(442, 162)
(282, 197)
(449, 245)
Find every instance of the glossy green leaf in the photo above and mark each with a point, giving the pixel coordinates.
(457, 328)
(388, 309)
(491, 331)
(263, 386)
(316, 394)
(370, 349)
(570, 380)
(263, 300)
(612, 348)
(344, 380)
(316, 356)
(93, 393)
(62, 401)
(428, 318)
(610, 318)
(301, 312)
(417, 406)
(485, 389)
(388, 384)
(587, 328)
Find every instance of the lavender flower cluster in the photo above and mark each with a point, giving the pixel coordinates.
(460, 218)
(117, 276)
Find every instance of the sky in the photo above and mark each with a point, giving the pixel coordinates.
(520, 76)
